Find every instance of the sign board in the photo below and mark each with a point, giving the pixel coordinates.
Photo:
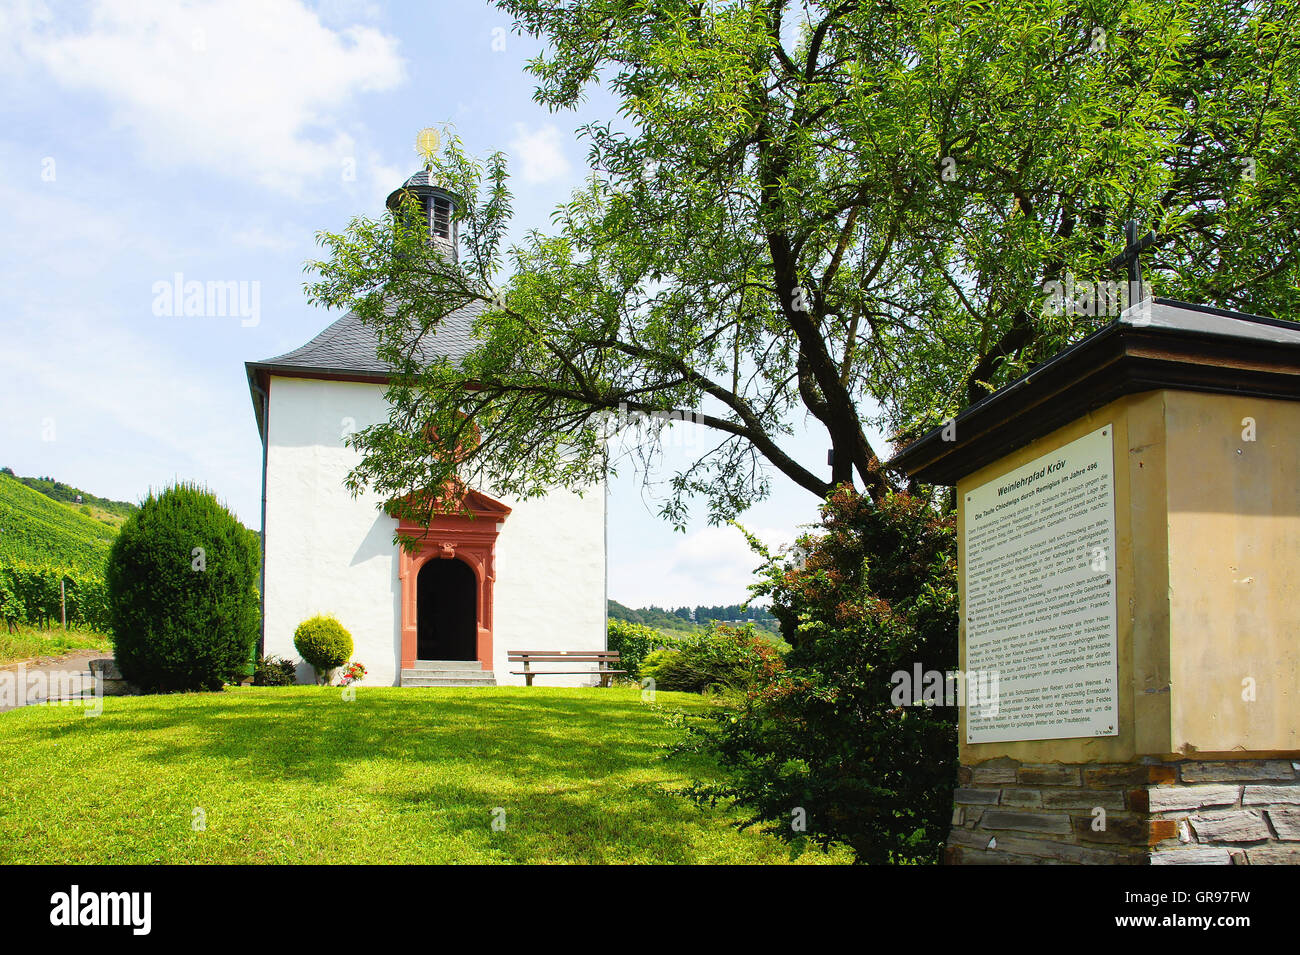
(1039, 550)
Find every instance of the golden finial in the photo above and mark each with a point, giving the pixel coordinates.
(426, 144)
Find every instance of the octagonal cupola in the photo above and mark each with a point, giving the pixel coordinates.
(437, 209)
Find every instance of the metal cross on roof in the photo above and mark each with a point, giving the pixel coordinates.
(1131, 253)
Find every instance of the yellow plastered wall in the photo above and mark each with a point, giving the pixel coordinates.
(1234, 567)
(1207, 578)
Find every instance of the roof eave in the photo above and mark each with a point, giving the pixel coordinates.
(1117, 360)
(260, 372)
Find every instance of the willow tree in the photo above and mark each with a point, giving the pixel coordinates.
(842, 212)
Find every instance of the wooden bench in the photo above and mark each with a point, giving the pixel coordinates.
(605, 659)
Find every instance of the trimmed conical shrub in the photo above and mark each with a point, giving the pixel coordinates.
(182, 590)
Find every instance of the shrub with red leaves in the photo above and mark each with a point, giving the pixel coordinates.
(822, 753)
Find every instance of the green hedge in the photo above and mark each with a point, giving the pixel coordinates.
(275, 671)
(720, 657)
(182, 585)
(633, 641)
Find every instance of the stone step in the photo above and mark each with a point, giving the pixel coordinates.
(448, 665)
(477, 676)
(446, 681)
(447, 673)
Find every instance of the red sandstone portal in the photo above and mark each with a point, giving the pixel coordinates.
(469, 538)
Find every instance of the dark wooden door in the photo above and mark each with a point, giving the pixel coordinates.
(447, 608)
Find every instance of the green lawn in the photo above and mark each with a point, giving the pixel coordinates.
(31, 642)
(398, 775)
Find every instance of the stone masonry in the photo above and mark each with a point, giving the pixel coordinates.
(1220, 812)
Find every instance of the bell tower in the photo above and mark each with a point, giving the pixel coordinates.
(437, 206)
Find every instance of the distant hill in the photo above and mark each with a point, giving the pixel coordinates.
(688, 619)
(40, 529)
(89, 505)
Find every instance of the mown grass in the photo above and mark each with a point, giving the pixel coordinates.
(32, 642)
(288, 775)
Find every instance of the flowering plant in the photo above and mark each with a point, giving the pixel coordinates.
(353, 673)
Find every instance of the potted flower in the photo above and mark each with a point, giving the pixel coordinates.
(352, 673)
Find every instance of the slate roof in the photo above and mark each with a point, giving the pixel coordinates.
(348, 348)
(421, 178)
(1207, 320)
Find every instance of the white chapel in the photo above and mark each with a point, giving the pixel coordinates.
(516, 575)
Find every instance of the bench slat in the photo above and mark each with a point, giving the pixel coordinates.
(604, 654)
(605, 659)
(563, 672)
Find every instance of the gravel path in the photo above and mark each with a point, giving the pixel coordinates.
(78, 662)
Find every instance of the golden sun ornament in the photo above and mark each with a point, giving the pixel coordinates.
(426, 144)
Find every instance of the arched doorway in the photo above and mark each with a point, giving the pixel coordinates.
(467, 538)
(446, 611)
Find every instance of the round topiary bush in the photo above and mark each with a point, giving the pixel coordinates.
(182, 593)
(323, 642)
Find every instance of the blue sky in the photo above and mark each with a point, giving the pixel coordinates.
(213, 139)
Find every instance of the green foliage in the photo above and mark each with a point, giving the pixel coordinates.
(43, 542)
(875, 594)
(693, 618)
(846, 213)
(632, 641)
(12, 608)
(37, 530)
(275, 671)
(114, 511)
(182, 585)
(734, 613)
(717, 658)
(29, 593)
(323, 643)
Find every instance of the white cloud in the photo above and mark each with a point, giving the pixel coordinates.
(247, 89)
(51, 238)
(713, 565)
(540, 153)
(348, 11)
(131, 403)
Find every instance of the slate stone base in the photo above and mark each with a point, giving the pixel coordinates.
(1242, 812)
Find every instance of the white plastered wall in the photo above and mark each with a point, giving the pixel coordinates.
(327, 552)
